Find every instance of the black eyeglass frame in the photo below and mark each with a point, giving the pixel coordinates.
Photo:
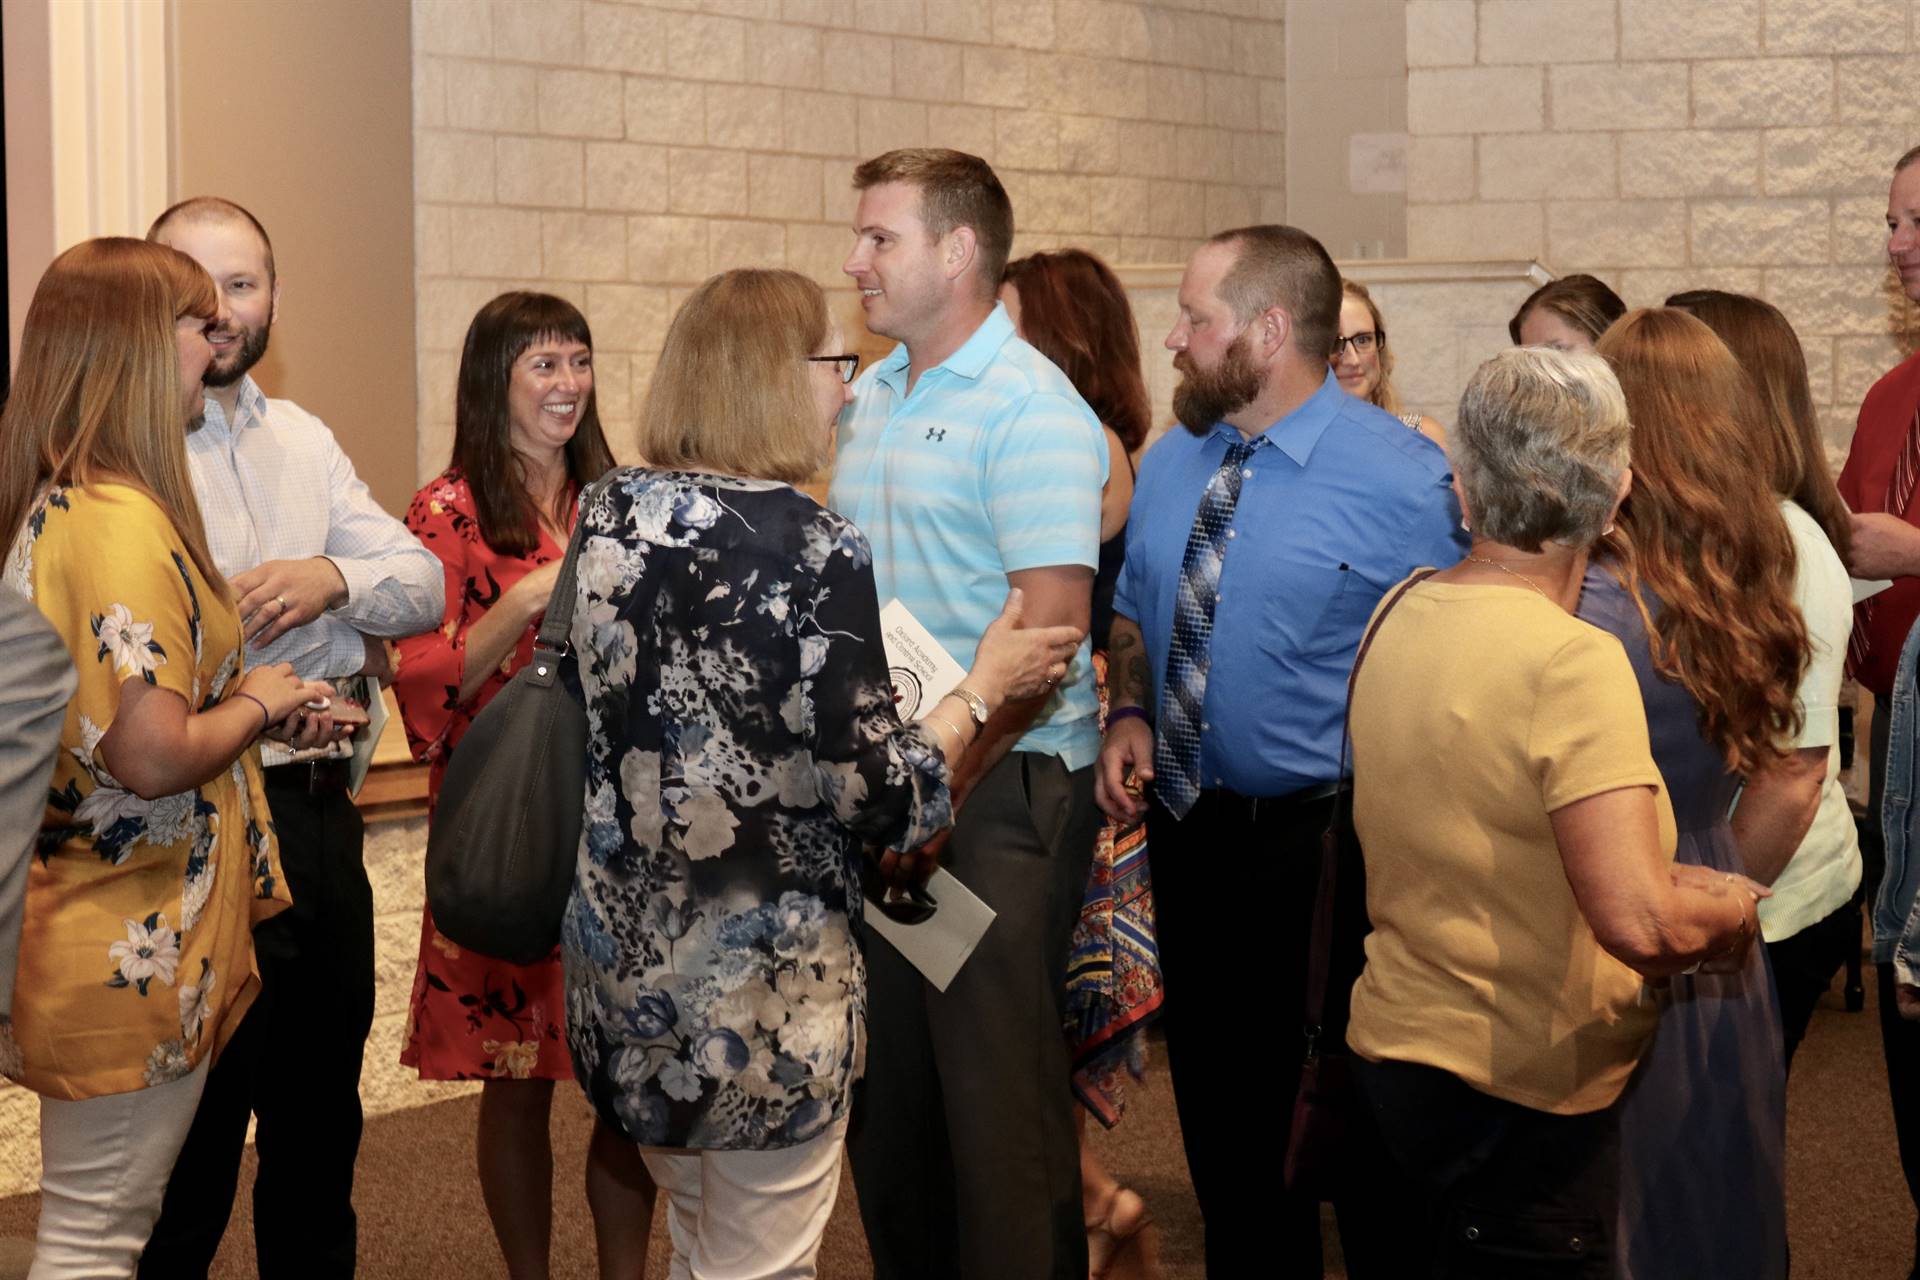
(1374, 338)
(850, 361)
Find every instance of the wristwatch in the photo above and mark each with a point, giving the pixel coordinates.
(976, 705)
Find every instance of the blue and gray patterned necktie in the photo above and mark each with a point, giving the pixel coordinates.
(1176, 747)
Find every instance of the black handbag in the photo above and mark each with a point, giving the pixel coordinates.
(1326, 1108)
(506, 828)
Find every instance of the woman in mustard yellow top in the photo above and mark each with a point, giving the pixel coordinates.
(1519, 846)
(156, 857)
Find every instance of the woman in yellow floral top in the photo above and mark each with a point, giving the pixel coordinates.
(155, 856)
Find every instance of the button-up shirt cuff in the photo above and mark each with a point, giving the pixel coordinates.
(346, 650)
(360, 577)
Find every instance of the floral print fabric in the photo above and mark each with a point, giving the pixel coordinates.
(742, 747)
(136, 952)
(470, 1016)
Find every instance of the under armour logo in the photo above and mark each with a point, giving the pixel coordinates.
(936, 434)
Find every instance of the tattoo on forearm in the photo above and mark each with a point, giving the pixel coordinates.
(1127, 665)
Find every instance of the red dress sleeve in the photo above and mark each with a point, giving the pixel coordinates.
(427, 684)
(433, 664)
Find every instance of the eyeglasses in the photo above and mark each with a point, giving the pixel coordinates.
(849, 364)
(1361, 342)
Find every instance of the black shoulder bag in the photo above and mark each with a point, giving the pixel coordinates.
(1318, 1143)
(506, 829)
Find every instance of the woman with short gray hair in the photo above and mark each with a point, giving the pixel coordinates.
(1519, 844)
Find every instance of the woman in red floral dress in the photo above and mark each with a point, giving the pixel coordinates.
(527, 439)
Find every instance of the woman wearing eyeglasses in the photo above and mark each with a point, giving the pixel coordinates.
(1363, 364)
(742, 749)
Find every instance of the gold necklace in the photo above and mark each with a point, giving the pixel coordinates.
(1514, 573)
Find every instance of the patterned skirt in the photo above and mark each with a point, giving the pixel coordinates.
(472, 1017)
(1113, 971)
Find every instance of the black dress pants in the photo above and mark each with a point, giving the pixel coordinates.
(1501, 1191)
(962, 1137)
(294, 1063)
(1234, 886)
(1803, 968)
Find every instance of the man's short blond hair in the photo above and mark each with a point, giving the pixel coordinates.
(212, 209)
(956, 190)
(1284, 267)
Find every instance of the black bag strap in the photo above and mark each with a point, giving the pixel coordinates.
(1319, 955)
(550, 643)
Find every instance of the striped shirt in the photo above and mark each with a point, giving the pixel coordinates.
(274, 485)
(993, 464)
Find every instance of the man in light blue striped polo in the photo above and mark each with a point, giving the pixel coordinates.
(973, 466)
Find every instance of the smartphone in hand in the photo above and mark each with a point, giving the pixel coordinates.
(349, 717)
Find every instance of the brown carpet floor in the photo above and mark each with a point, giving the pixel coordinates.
(421, 1217)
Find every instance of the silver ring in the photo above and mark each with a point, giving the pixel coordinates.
(282, 602)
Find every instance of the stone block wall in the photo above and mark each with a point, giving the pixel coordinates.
(618, 153)
(1669, 144)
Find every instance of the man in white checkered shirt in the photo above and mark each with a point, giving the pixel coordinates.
(322, 577)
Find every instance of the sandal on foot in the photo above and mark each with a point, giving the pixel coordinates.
(1124, 1244)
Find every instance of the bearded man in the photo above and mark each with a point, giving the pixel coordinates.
(1260, 540)
(321, 576)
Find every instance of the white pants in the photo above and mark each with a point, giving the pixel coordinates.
(748, 1215)
(104, 1164)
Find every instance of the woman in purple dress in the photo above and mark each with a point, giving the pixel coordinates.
(1700, 592)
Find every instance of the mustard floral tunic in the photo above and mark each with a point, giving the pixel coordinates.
(136, 954)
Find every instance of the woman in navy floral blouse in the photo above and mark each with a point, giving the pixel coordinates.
(742, 748)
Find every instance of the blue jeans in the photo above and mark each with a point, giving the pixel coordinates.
(1896, 922)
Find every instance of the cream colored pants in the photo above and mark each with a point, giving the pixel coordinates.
(104, 1164)
(748, 1215)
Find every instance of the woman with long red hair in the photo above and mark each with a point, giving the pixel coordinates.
(1699, 588)
(1073, 309)
(1794, 825)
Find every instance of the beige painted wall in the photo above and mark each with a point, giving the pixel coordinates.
(29, 157)
(301, 112)
(619, 153)
(1668, 144)
(1347, 124)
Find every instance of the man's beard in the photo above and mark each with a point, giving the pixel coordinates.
(1206, 396)
(253, 345)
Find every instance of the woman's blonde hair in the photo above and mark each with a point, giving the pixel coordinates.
(97, 397)
(732, 390)
(1786, 441)
(1383, 394)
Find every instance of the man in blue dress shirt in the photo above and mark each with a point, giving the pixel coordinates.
(1260, 540)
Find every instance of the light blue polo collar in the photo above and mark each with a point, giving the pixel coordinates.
(969, 361)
